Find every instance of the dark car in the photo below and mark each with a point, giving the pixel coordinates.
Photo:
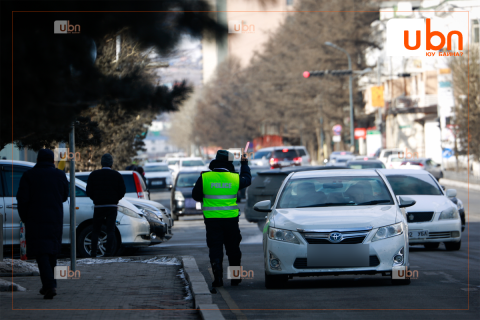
(365, 164)
(181, 201)
(266, 185)
(427, 164)
(254, 170)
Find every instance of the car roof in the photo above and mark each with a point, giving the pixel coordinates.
(392, 172)
(334, 173)
(18, 162)
(365, 161)
(149, 164)
(286, 171)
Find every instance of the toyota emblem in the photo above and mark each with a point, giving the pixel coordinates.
(335, 237)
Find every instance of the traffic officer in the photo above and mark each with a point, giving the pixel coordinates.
(217, 190)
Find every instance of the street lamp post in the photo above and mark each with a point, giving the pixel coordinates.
(352, 141)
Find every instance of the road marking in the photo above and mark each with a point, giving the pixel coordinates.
(228, 299)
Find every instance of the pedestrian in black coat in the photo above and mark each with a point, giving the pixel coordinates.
(41, 193)
(105, 187)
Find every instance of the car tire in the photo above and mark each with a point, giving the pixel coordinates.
(275, 281)
(453, 246)
(433, 245)
(83, 241)
(401, 282)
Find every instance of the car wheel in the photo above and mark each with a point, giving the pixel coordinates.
(275, 281)
(433, 245)
(401, 282)
(84, 242)
(174, 216)
(453, 246)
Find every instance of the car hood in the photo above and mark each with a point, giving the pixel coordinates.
(335, 217)
(126, 203)
(159, 174)
(429, 203)
(156, 204)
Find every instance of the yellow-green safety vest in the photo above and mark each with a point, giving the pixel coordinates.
(220, 194)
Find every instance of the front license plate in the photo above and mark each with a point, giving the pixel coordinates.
(284, 163)
(157, 183)
(338, 255)
(418, 234)
(198, 206)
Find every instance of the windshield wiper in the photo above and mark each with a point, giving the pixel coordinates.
(374, 202)
(330, 204)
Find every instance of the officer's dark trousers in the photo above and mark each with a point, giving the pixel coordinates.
(46, 265)
(220, 232)
(107, 216)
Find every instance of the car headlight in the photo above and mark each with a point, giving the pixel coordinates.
(129, 212)
(282, 235)
(388, 231)
(459, 204)
(450, 213)
(179, 196)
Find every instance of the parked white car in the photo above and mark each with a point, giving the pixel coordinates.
(434, 218)
(385, 153)
(158, 175)
(136, 187)
(191, 163)
(393, 162)
(132, 230)
(315, 211)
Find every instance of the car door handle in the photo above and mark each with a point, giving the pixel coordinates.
(14, 206)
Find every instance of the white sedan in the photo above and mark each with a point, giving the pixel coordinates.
(332, 223)
(434, 218)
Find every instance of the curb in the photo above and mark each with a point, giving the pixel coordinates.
(460, 184)
(201, 293)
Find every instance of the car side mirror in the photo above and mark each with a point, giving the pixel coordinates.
(406, 202)
(263, 206)
(451, 193)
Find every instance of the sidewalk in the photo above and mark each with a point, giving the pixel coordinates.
(460, 180)
(120, 288)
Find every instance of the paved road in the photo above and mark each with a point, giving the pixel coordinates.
(442, 283)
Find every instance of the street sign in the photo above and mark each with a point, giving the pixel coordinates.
(447, 153)
(360, 133)
(337, 129)
(337, 138)
(377, 96)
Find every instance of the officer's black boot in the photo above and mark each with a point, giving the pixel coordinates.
(235, 263)
(217, 270)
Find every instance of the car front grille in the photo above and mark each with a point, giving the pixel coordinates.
(439, 235)
(301, 263)
(349, 237)
(156, 183)
(419, 216)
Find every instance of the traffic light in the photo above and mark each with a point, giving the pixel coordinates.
(306, 74)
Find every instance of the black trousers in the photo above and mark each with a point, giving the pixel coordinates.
(224, 232)
(106, 216)
(46, 266)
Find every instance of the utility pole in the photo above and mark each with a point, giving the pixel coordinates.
(73, 229)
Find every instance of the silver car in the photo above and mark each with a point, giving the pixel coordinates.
(132, 229)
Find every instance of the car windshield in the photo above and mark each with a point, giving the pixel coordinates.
(420, 184)
(159, 168)
(334, 191)
(261, 154)
(366, 165)
(186, 180)
(192, 163)
(173, 162)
